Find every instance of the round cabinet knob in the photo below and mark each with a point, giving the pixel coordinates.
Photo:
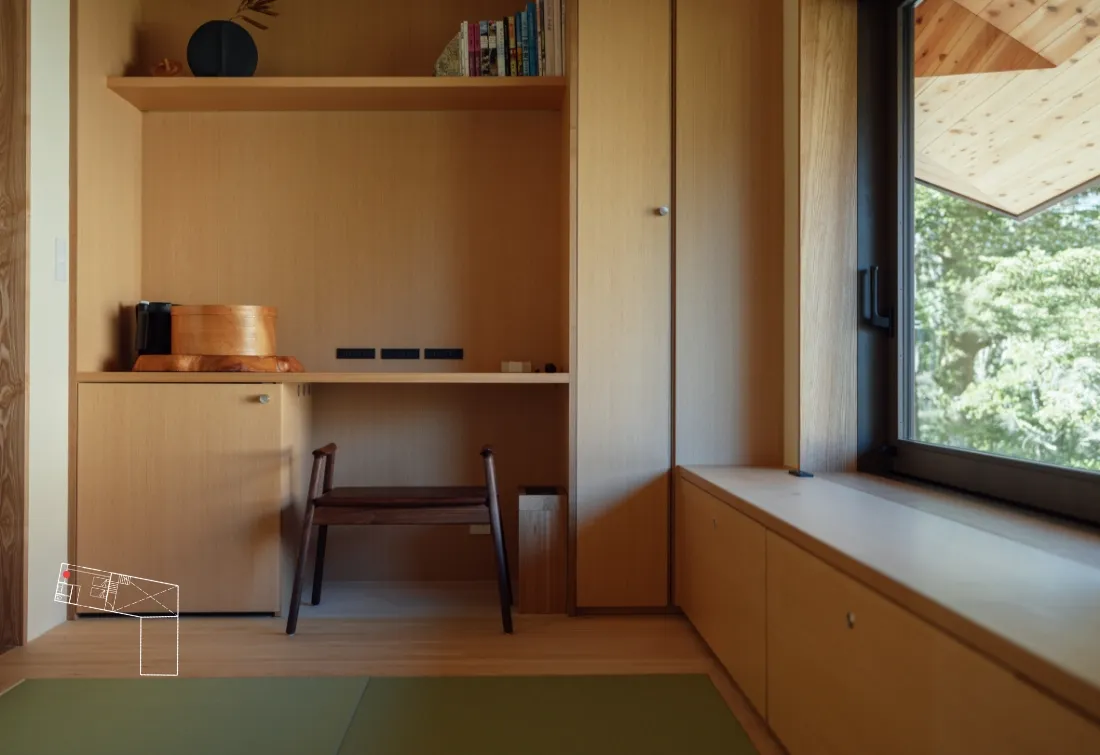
(851, 618)
(662, 211)
(264, 398)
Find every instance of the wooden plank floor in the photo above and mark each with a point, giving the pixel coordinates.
(211, 647)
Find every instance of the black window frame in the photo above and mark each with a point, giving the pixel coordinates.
(886, 240)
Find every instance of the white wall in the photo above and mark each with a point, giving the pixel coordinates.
(48, 345)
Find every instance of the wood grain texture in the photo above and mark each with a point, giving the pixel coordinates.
(851, 672)
(827, 233)
(339, 93)
(729, 232)
(950, 39)
(106, 197)
(1013, 141)
(193, 363)
(624, 308)
(363, 378)
(357, 228)
(570, 142)
(409, 435)
(792, 305)
(326, 37)
(182, 483)
(542, 552)
(720, 585)
(224, 330)
(1032, 612)
(13, 321)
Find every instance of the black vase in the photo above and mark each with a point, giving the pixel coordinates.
(222, 48)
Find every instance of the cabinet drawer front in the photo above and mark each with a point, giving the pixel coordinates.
(851, 672)
(723, 586)
(182, 484)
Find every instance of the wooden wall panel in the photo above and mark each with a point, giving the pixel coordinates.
(821, 270)
(431, 435)
(183, 484)
(107, 180)
(327, 37)
(570, 141)
(624, 308)
(364, 229)
(729, 232)
(13, 321)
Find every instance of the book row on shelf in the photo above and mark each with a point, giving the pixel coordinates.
(530, 43)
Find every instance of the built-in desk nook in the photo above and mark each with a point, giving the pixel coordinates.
(372, 206)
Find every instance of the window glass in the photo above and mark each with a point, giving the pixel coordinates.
(1006, 247)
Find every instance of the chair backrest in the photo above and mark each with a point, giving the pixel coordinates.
(323, 457)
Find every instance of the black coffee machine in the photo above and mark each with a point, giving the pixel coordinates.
(154, 328)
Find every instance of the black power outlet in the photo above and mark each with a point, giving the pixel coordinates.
(400, 353)
(443, 354)
(355, 353)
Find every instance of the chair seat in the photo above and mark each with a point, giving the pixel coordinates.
(401, 497)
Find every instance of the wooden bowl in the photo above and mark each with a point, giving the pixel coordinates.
(223, 330)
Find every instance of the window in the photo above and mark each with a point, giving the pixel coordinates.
(997, 368)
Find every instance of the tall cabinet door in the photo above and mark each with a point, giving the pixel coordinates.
(624, 315)
(183, 484)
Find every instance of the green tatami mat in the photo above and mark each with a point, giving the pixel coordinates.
(545, 715)
(169, 716)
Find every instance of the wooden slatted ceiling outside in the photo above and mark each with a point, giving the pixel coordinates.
(1015, 140)
(1057, 29)
(950, 39)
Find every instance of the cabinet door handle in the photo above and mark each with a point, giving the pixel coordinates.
(662, 211)
(851, 618)
(264, 398)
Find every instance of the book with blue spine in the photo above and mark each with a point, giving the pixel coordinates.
(524, 62)
(533, 10)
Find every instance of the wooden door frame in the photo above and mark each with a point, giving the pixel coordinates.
(14, 111)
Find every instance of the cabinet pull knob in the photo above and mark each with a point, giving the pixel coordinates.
(264, 398)
(851, 617)
(662, 211)
(715, 523)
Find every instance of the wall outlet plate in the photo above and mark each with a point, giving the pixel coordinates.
(480, 529)
(443, 354)
(355, 353)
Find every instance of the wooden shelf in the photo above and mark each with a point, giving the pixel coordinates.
(469, 378)
(152, 94)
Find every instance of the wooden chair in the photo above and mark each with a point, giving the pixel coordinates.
(435, 505)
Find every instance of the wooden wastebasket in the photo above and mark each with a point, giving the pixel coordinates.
(542, 543)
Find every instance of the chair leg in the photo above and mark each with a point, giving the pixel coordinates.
(504, 580)
(299, 571)
(319, 564)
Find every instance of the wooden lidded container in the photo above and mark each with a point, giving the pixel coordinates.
(223, 330)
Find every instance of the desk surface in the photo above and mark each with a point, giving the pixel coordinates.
(473, 378)
(1035, 612)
